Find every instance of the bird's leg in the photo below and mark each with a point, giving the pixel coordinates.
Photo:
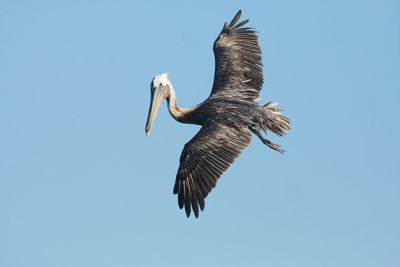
(266, 141)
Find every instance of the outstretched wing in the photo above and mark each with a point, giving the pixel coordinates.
(238, 66)
(204, 159)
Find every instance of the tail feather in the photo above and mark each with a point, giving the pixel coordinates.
(275, 121)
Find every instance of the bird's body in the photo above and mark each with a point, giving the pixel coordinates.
(228, 116)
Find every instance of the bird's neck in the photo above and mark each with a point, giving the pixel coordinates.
(176, 112)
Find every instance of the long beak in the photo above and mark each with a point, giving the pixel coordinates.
(155, 102)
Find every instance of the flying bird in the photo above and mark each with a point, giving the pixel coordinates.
(228, 116)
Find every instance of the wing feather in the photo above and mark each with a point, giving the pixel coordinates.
(204, 159)
(238, 62)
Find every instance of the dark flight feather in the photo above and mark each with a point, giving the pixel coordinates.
(238, 65)
(204, 159)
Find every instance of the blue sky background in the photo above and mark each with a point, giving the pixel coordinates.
(81, 184)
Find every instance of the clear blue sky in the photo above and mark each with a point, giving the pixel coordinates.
(81, 184)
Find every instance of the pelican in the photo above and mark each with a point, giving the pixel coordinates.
(228, 116)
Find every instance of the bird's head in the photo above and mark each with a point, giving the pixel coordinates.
(159, 89)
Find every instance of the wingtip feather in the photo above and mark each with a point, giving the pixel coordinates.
(235, 18)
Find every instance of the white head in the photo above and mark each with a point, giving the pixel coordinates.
(160, 89)
(160, 80)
